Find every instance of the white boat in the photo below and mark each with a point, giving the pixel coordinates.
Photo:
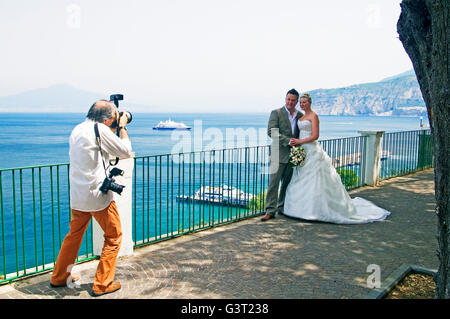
(225, 195)
(171, 125)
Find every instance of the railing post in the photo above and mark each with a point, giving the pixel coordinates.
(372, 156)
(124, 204)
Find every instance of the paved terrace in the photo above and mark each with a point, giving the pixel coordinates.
(281, 258)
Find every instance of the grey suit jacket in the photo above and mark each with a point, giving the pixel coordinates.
(279, 119)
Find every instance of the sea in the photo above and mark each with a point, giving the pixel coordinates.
(34, 216)
(32, 139)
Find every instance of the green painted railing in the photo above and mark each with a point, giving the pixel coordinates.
(171, 195)
(35, 216)
(175, 194)
(406, 152)
(347, 155)
(172, 192)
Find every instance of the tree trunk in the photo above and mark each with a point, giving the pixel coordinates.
(423, 27)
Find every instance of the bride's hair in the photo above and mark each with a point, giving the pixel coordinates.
(307, 96)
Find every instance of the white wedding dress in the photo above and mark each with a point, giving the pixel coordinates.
(316, 192)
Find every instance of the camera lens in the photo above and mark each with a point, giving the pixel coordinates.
(109, 184)
(116, 188)
(128, 115)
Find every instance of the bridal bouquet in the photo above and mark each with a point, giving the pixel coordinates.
(297, 156)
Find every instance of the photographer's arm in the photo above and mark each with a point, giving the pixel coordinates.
(113, 145)
(122, 127)
(124, 133)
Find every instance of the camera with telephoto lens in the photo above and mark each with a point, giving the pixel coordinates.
(115, 98)
(110, 184)
(117, 121)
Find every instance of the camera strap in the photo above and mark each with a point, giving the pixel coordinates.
(97, 137)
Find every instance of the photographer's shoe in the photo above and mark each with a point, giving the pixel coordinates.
(112, 288)
(74, 279)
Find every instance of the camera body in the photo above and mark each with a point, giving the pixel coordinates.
(115, 98)
(109, 183)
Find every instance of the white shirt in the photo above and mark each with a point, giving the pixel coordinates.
(86, 173)
(292, 119)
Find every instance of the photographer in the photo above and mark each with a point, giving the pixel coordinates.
(87, 176)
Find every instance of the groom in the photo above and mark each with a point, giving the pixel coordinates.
(283, 120)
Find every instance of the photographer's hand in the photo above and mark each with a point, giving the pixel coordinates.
(123, 121)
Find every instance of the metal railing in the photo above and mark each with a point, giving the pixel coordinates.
(35, 216)
(176, 194)
(347, 156)
(173, 194)
(406, 152)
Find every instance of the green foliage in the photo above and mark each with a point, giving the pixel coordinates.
(258, 202)
(349, 178)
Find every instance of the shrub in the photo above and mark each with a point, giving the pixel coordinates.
(348, 177)
(258, 202)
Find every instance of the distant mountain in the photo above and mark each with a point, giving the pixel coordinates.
(396, 95)
(56, 98)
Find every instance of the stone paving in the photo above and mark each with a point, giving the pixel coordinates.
(282, 258)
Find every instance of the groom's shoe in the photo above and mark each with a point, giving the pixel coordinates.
(266, 217)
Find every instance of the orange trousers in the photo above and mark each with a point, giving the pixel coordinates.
(109, 221)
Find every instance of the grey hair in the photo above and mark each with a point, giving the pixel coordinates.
(101, 111)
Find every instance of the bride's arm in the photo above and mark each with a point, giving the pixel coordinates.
(314, 135)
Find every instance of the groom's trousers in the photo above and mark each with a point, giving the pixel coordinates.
(275, 194)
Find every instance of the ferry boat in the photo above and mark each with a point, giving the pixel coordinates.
(171, 125)
(224, 195)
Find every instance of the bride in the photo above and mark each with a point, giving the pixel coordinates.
(316, 191)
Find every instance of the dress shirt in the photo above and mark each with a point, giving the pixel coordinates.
(86, 173)
(292, 119)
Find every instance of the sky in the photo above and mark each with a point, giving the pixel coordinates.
(200, 55)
